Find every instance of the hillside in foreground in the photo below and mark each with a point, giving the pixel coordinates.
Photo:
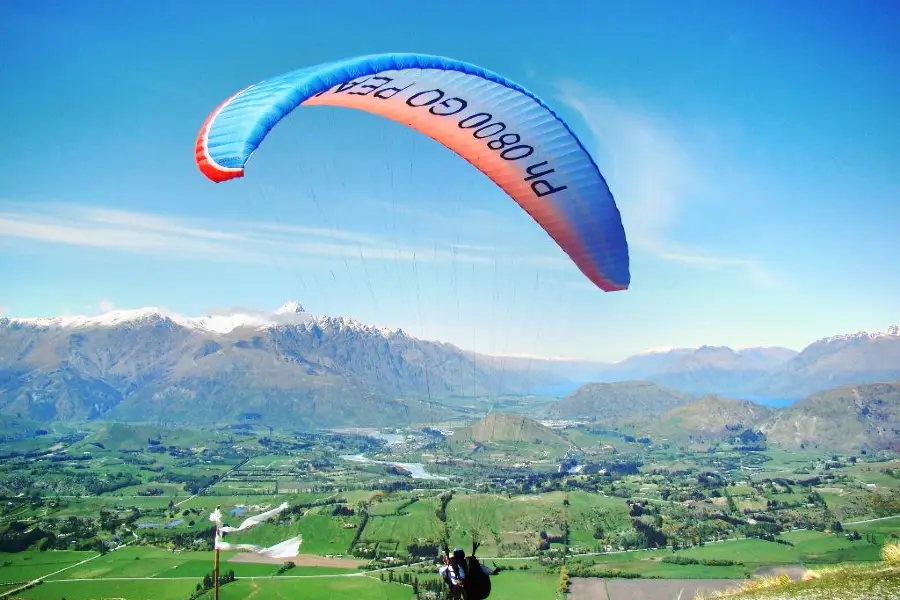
(879, 581)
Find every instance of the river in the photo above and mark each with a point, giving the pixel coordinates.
(416, 470)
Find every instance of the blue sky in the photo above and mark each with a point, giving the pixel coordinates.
(752, 148)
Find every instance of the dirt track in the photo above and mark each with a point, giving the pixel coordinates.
(588, 588)
(303, 560)
(645, 589)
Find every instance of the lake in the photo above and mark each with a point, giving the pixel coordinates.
(765, 400)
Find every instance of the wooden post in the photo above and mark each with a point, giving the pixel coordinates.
(216, 577)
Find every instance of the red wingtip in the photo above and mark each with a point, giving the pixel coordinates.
(213, 171)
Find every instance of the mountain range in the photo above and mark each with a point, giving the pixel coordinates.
(774, 372)
(301, 369)
(306, 370)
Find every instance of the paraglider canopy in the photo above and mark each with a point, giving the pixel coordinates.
(504, 130)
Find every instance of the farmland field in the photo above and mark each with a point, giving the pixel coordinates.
(675, 514)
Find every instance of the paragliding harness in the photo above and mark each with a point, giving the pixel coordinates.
(476, 581)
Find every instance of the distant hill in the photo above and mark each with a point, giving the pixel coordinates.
(13, 428)
(125, 436)
(611, 402)
(847, 419)
(711, 417)
(507, 427)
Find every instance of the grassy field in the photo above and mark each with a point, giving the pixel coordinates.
(26, 566)
(124, 590)
(321, 534)
(506, 586)
(138, 573)
(519, 519)
(358, 588)
(519, 585)
(809, 547)
(536, 582)
(881, 527)
(687, 492)
(401, 523)
(649, 564)
(142, 561)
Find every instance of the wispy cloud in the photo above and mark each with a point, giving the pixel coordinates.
(753, 269)
(248, 242)
(491, 235)
(658, 175)
(106, 306)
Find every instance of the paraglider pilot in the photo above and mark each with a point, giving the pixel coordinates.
(454, 575)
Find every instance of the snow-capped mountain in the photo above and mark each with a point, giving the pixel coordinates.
(849, 359)
(224, 322)
(317, 370)
(309, 370)
(845, 359)
(891, 332)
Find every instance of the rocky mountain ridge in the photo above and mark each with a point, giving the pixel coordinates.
(303, 369)
(310, 370)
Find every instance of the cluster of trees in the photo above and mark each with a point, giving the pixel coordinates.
(342, 510)
(364, 518)
(441, 511)
(895, 473)
(198, 539)
(871, 538)
(19, 536)
(431, 588)
(193, 483)
(563, 586)
(712, 562)
(595, 570)
(285, 567)
(62, 477)
(208, 581)
(649, 535)
(423, 550)
(884, 504)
